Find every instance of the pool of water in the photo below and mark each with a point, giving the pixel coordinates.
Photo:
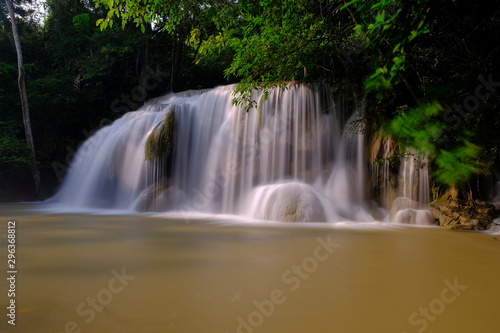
(142, 273)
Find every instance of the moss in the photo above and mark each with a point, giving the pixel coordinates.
(160, 143)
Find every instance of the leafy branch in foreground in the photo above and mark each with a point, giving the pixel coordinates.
(421, 129)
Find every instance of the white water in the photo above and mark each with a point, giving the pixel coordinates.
(414, 180)
(294, 158)
(412, 204)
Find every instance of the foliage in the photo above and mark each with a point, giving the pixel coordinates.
(14, 152)
(457, 165)
(420, 128)
(388, 27)
(171, 16)
(262, 43)
(74, 73)
(446, 46)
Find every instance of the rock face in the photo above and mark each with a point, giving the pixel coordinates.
(384, 166)
(459, 214)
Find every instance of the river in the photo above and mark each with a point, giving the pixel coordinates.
(144, 273)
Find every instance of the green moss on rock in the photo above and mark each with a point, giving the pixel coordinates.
(160, 143)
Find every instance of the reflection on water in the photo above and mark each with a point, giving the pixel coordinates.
(95, 273)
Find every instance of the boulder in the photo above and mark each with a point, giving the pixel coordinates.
(401, 204)
(414, 216)
(160, 198)
(289, 202)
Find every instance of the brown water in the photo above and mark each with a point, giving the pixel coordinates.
(203, 277)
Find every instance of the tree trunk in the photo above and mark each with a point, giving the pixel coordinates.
(24, 97)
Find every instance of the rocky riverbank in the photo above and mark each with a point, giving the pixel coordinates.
(453, 212)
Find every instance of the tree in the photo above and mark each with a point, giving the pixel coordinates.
(24, 98)
(429, 58)
(270, 42)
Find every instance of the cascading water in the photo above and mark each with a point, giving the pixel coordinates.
(291, 158)
(109, 170)
(404, 192)
(412, 205)
(414, 182)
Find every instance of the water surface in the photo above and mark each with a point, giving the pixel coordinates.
(212, 275)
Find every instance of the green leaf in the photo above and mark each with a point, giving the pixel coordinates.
(380, 17)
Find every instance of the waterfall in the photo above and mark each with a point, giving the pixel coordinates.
(400, 182)
(414, 174)
(407, 193)
(297, 156)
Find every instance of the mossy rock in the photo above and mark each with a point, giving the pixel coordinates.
(160, 143)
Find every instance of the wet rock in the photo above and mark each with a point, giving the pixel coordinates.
(160, 198)
(297, 207)
(451, 212)
(384, 167)
(160, 142)
(293, 202)
(414, 216)
(402, 204)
